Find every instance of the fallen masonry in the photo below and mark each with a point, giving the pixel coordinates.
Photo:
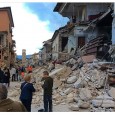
(79, 88)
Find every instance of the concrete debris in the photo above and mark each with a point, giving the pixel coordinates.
(71, 95)
(56, 96)
(85, 94)
(75, 99)
(87, 59)
(77, 83)
(74, 107)
(72, 79)
(51, 67)
(71, 61)
(79, 87)
(57, 66)
(103, 103)
(84, 105)
(75, 67)
(63, 80)
(67, 91)
(63, 72)
(111, 92)
(70, 100)
(104, 97)
(57, 71)
(57, 83)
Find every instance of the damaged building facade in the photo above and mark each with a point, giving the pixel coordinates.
(46, 52)
(33, 59)
(89, 28)
(113, 26)
(7, 44)
(59, 44)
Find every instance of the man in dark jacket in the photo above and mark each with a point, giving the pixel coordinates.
(47, 86)
(8, 105)
(1, 76)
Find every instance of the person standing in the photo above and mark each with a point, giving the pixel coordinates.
(29, 69)
(17, 73)
(8, 74)
(22, 69)
(8, 105)
(6, 79)
(13, 73)
(27, 90)
(1, 76)
(47, 87)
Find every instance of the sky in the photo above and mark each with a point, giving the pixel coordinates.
(34, 23)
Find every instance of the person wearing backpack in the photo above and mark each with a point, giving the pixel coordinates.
(27, 90)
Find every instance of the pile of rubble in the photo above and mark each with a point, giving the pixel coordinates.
(81, 86)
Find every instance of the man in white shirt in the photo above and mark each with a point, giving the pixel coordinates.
(13, 73)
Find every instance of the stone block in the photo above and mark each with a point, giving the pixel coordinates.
(72, 79)
(84, 105)
(74, 107)
(85, 94)
(103, 103)
(67, 91)
(112, 92)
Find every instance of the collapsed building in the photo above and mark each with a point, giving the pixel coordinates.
(59, 44)
(89, 28)
(89, 86)
(46, 52)
(33, 59)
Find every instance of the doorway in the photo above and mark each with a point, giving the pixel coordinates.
(81, 42)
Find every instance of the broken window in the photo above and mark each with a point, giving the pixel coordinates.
(81, 12)
(54, 48)
(81, 42)
(64, 43)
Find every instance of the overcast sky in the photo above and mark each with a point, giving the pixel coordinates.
(34, 23)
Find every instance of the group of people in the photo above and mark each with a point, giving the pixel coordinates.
(13, 72)
(27, 90)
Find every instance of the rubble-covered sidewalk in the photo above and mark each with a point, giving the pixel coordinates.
(77, 87)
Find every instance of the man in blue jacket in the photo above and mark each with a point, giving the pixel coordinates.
(27, 90)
